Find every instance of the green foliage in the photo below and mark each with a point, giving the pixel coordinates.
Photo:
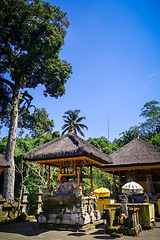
(38, 123)
(56, 134)
(104, 145)
(155, 140)
(24, 145)
(3, 144)
(127, 137)
(101, 143)
(37, 176)
(99, 178)
(72, 119)
(34, 175)
(103, 178)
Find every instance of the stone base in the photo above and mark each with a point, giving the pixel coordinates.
(135, 231)
(148, 225)
(71, 227)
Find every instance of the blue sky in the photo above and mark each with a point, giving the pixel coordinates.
(114, 49)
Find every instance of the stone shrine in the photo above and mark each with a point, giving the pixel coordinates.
(68, 205)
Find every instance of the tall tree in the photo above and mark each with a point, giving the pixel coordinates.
(72, 122)
(151, 111)
(31, 36)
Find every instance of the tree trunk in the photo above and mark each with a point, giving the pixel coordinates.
(9, 173)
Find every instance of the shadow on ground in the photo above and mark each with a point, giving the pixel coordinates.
(23, 228)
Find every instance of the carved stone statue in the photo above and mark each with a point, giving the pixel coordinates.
(124, 198)
(145, 198)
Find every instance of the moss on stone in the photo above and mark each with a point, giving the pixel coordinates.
(21, 218)
(14, 204)
(119, 235)
(4, 220)
(2, 200)
(30, 218)
(7, 205)
(109, 230)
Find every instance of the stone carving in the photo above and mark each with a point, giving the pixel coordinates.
(38, 201)
(24, 199)
(124, 198)
(145, 198)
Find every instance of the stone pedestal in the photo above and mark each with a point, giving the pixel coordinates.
(38, 201)
(24, 199)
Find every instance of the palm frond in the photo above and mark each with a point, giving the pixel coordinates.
(79, 130)
(65, 125)
(83, 126)
(80, 119)
(67, 117)
(65, 130)
(67, 121)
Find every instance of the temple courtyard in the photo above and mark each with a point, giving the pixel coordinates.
(29, 230)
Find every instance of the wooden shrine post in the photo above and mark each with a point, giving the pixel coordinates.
(74, 167)
(49, 171)
(78, 178)
(114, 185)
(60, 167)
(91, 177)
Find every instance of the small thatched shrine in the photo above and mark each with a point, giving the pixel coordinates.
(138, 160)
(3, 163)
(68, 205)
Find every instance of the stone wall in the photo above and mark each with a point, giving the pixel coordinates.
(10, 211)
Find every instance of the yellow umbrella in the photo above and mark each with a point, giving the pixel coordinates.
(102, 192)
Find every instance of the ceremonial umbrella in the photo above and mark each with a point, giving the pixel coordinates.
(133, 188)
(102, 192)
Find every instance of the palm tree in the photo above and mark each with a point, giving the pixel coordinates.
(72, 124)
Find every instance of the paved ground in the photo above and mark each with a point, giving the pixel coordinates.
(28, 230)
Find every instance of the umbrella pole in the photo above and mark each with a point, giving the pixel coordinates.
(103, 214)
(133, 211)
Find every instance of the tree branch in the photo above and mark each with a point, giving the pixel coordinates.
(36, 171)
(6, 81)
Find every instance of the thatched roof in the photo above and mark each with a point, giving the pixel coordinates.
(67, 147)
(3, 162)
(137, 152)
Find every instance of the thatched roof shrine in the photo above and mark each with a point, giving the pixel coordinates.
(67, 149)
(137, 154)
(3, 163)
